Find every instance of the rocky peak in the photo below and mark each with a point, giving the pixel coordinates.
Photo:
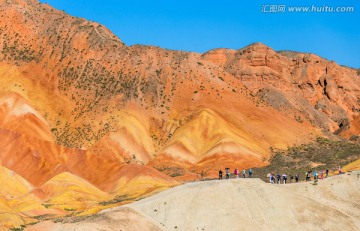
(255, 47)
(219, 56)
(258, 54)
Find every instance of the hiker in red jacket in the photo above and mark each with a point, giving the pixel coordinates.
(236, 173)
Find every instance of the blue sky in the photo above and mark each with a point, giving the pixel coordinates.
(199, 25)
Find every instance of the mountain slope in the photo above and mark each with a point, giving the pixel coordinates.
(328, 92)
(70, 192)
(16, 206)
(13, 109)
(209, 141)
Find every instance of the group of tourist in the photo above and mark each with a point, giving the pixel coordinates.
(282, 177)
(316, 175)
(279, 178)
(235, 173)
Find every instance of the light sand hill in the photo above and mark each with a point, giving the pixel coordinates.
(251, 205)
(122, 218)
(340, 192)
(239, 204)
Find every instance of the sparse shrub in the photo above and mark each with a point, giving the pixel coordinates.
(116, 199)
(47, 205)
(21, 228)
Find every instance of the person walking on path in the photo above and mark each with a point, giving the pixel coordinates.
(340, 171)
(284, 178)
(315, 175)
(227, 173)
(220, 174)
(244, 173)
(297, 177)
(278, 178)
(322, 175)
(272, 179)
(291, 178)
(327, 173)
(250, 172)
(236, 173)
